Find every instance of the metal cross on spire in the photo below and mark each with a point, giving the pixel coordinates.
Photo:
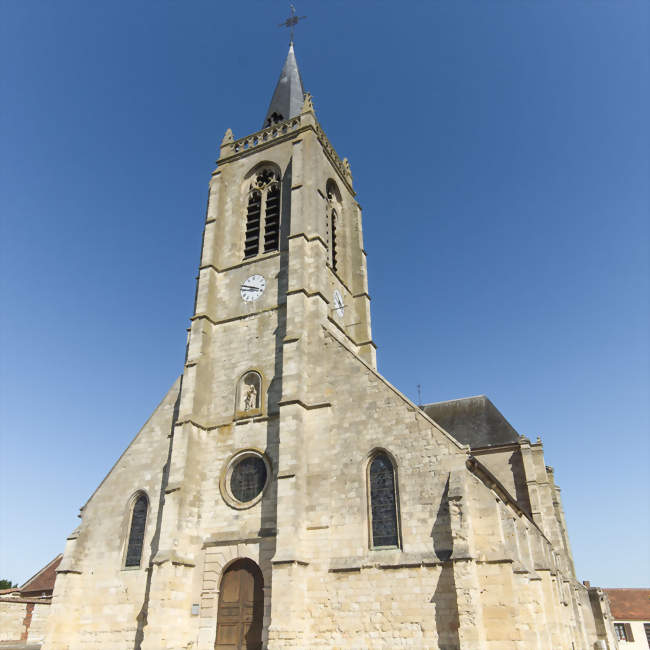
(292, 21)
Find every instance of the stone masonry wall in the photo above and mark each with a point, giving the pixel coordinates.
(357, 597)
(23, 620)
(96, 601)
(12, 620)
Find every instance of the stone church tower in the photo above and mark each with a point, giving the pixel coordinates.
(283, 493)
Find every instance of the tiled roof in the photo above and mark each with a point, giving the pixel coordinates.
(43, 581)
(8, 592)
(629, 604)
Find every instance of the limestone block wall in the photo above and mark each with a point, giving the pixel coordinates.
(355, 596)
(12, 620)
(526, 588)
(506, 463)
(368, 414)
(38, 623)
(23, 620)
(96, 601)
(412, 597)
(383, 607)
(243, 344)
(602, 616)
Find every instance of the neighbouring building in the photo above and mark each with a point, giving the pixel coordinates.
(631, 614)
(284, 493)
(24, 610)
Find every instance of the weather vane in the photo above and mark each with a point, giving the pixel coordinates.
(292, 21)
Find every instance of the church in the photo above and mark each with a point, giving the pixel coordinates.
(284, 493)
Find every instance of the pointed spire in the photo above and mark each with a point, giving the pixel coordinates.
(289, 95)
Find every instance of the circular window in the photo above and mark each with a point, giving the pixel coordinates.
(245, 479)
(248, 478)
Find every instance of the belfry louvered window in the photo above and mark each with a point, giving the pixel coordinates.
(136, 532)
(263, 214)
(252, 242)
(383, 502)
(331, 216)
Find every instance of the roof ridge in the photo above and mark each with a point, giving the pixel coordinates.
(457, 399)
(38, 573)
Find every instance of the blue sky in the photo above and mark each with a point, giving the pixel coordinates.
(500, 153)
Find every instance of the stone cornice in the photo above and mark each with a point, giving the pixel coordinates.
(171, 556)
(251, 260)
(232, 538)
(308, 407)
(307, 238)
(230, 320)
(284, 132)
(394, 559)
(309, 294)
(225, 423)
(491, 481)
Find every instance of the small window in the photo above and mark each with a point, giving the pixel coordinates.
(136, 532)
(383, 502)
(263, 214)
(623, 632)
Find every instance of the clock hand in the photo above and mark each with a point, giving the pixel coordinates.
(246, 286)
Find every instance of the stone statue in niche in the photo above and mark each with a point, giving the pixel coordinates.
(250, 398)
(250, 392)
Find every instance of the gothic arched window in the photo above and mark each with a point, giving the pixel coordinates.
(136, 531)
(382, 487)
(263, 213)
(332, 213)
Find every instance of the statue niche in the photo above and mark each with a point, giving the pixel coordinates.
(249, 394)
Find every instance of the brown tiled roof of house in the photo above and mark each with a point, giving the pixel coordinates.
(43, 581)
(629, 604)
(8, 592)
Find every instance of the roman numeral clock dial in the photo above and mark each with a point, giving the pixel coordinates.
(339, 307)
(253, 288)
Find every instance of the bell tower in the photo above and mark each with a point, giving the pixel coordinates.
(284, 494)
(282, 271)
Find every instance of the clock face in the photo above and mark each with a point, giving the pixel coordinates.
(339, 307)
(253, 288)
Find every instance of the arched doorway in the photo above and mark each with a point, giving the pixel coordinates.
(241, 607)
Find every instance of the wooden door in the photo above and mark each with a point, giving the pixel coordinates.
(241, 607)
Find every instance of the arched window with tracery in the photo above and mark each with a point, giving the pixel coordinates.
(136, 531)
(332, 216)
(383, 507)
(263, 213)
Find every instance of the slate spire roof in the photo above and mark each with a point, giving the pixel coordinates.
(289, 94)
